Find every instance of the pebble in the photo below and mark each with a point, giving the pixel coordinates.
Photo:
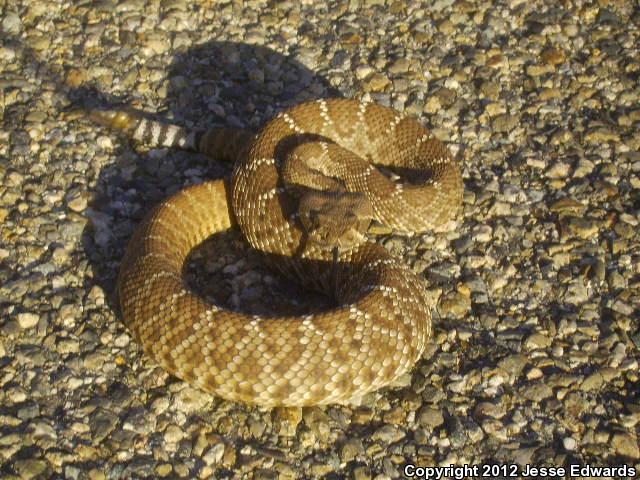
(11, 23)
(173, 434)
(553, 56)
(569, 443)
(567, 205)
(537, 392)
(626, 445)
(77, 201)
(27, 320)
(376, 83)
(504, 123)
(363, 71)
(363, 473)
(457, 304)
(537, 340)
(430, 417)
(351, 449)
(558, 170)
(214, 455)
(189, 399)
(31, 468)
(388, 434)
(579, 227)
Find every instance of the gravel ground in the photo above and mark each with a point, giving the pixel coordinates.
(536, 348)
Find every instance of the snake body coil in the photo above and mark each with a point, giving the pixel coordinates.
(381, 323)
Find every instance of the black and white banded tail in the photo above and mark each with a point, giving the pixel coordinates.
(217, 142)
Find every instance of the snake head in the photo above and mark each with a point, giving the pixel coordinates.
(335, 219)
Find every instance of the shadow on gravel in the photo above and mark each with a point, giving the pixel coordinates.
(214, 84)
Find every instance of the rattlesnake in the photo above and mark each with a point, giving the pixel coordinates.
(381, 323)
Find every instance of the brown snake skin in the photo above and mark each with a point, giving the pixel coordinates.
(382, 321)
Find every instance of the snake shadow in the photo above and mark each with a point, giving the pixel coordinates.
(213, 84)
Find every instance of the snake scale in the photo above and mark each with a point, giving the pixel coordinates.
(381, 322)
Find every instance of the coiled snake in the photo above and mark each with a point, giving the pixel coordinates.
(303, 192)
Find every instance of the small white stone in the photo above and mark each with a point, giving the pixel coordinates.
(105, 142)
(28, 320)
(122, 341)
(214, 455)
(363, 71)
(173, 434)
(569, 444)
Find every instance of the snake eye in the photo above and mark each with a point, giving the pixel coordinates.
(350, 218)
